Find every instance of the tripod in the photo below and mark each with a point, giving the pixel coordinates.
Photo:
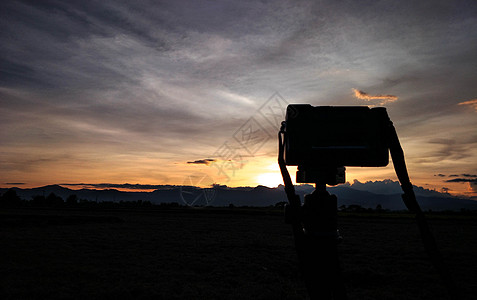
(315, 231)
(316, 240)
(315, 225)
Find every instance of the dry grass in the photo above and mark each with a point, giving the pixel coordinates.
(203, 254)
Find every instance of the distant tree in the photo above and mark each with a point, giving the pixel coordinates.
(355, 207)
(146, 203)
(10, 198)
(342, 208)
(379, 208)
(169, 205)
(217, 186)
(38, 200)
(87, 203)
(54, 200)
(72, 200)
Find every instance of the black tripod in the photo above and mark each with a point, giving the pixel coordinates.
(315, 226)
(316, 241)
(315, 230)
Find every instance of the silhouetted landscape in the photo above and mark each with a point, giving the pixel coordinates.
(218, 253)
(386, 194)
(84, 249)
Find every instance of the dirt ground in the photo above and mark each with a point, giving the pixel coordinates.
(218, 254)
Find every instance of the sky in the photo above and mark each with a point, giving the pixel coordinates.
(191, 92)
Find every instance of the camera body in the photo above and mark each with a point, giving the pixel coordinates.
(330, 137)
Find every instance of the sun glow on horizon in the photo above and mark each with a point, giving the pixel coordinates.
(272, 179)
(271, 176)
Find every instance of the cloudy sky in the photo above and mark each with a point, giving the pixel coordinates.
(164, 92)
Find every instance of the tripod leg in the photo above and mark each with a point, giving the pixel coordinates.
(317, 249)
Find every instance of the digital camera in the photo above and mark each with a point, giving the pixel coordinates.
(336, 136)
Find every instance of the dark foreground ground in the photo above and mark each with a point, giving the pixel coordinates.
(217, 254)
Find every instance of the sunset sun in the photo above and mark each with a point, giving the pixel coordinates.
(271, 179)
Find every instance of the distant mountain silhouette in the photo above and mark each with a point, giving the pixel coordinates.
(389, 187)
(386, 193)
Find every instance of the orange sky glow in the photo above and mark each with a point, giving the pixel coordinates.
(116, 93)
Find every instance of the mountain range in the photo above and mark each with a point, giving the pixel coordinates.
(385, 193)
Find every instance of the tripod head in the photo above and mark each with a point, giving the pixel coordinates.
(330, 175)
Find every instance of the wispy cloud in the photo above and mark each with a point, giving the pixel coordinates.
(472, 103)
(379, 99)
(441, 149)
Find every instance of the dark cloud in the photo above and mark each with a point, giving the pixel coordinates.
(206, 161)
(472, 180)
(72, 45)
(15, 183)
(472, 183)
(440, 175)
(445, 190)
(119, 186)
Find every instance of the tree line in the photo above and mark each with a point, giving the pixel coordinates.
(11, 199)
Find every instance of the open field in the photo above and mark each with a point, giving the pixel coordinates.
(217, 254)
